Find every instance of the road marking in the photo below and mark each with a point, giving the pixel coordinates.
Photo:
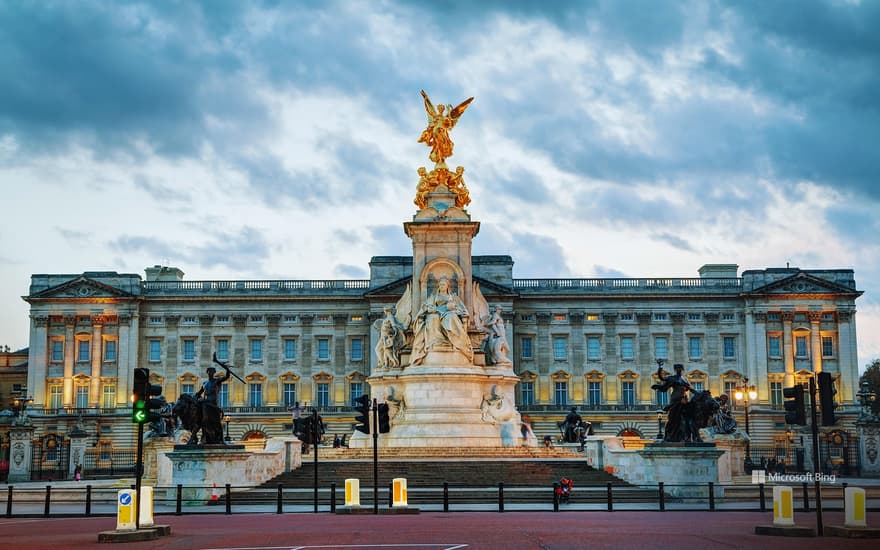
(430, 546)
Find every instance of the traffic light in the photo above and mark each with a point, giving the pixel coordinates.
(363, 416)
(384, 421)
(145, 409)
(794, 405)
(827, 403)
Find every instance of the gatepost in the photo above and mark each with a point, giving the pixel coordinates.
(21, 452)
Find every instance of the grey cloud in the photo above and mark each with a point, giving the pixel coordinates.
(390, 240)
(73, 236)
(674, 241)
(609, 272)
(161, 192)
(534, 255)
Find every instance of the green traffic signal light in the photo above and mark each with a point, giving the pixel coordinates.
(139, 413)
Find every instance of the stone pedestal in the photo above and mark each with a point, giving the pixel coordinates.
(21, 453)
(869, 435)
(201, 468)
(732, 463)
(156, 460)
(695, 465)
(78, 442)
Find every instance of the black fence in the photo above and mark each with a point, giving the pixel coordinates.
(108, 462)
(50, 458)
(87, 500)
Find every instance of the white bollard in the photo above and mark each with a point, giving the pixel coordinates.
(353, 492)
(854, 506)
(783, 505)
(125, 507)
(399, 491)
(146, 519)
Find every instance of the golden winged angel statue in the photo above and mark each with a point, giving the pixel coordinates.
(440, 121)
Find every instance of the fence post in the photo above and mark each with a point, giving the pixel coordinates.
(500, 496)
(390, 494)
(662, 496)
(228, 499)
(280, 503)
(48, 500)
(610, 498)
(88, 500)
(445, 496)
(711, 496)
(555, 496)
(178, 508)
(9, 502)
(332, 497)
(763, 497)
(806, 497)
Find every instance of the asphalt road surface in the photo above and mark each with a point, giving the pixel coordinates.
(436, 531)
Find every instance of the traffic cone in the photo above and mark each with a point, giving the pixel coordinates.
(215, 497)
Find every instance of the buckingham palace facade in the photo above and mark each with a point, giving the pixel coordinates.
(586, 343)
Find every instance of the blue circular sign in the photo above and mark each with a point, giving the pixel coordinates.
(125, 499)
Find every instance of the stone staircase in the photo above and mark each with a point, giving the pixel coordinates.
(567, 451)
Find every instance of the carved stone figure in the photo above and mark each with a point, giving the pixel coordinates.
(441, 323)
(391, 340)
(396, 406)
(441, 120)
(495, 346)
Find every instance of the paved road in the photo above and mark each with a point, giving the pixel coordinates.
(436, 531)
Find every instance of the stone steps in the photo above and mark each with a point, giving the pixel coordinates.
(564, 452)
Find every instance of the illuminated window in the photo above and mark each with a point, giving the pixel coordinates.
(592, 316)
(559, 317)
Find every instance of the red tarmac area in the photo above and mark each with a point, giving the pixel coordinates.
(436, 531)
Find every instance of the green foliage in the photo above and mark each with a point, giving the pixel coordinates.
(872, 375)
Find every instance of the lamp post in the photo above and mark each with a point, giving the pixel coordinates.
(660, 424)
(227, 418)
(746, 393)
(21, 404)
(866, 400)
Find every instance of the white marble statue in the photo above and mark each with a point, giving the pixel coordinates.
(495, 346)
(391, 340)
(441, 322)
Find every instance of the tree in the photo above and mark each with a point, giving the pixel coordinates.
(872, 375)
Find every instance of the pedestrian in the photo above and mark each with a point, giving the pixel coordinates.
(77, 472)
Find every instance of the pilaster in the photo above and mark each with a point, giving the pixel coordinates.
(96, 359)
(788, 348)
(37, 359)
(815, 340)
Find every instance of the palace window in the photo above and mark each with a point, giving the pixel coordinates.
(774, 346)
(57, 351)
(109, 350)
(661, 347)
(290, 318)
(728, 317)
(223, 349)
(527, 317)
(155, 351)
(223, 396)
(526, 347)
(730, 390)
(323, 349)
(698, 386)
(189, 350)
(290, 349)
(827, 346)
(190, 389)
(561, 393)
(592, 316)
(773, 316)
(627, 352)
(357, 317)
(629, 393)
(694, 316)
(189, 320)
(82, 397)
(626, 316)
(357, 349)
(695, 347)
(289, 392)
(55, 395)
(256, 318)
(729, 345)
(560, 348)
(256, 349)
(222, 319)
(323, 394)
(827, 316)
(356, 389)
(82, 350)
(528, 393)
(155, 320)
(594, 349)
(659, 316)
(594, 393)
(108, 400)
(800, 346)
(663, 397)
(776, 394)
(559, 317)
(256, 394)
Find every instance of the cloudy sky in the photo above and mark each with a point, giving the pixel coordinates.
(278, 139)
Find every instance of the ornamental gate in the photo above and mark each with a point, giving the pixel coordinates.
(51, 458)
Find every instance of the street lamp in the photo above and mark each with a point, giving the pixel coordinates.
(866, 400)
(746, 393)
(660, 424)
(21, 404)
(227, 418)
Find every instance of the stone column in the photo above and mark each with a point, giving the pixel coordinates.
(711, 351)
(869, 435)
(307, 359)
(69, 345)
(172, 354)
(815, 340)
(576, 338)
(78, 442)
(788, 348)
(758, 357)
(848, 362)
(543, 353)
(37, 360)
(612, 357)
(273, 361)
(239, 357)
(21, 439)
(644, 357)
(95, 380)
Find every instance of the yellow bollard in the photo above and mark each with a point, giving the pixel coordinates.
(125, 506)
(399, 485)
(146, 519)
(353, 492)
(783, 505)
(854, 505)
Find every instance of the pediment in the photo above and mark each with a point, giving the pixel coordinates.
(82, 288)
(802, 283)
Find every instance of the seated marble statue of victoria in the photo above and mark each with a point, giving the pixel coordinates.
(441, 323)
